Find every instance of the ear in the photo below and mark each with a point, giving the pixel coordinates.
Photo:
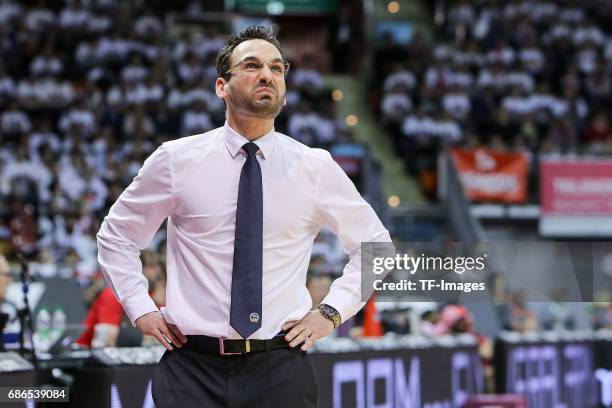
(220, 87)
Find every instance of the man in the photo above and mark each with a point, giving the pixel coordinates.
(244, 204)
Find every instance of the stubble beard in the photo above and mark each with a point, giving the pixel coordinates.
(264, 108)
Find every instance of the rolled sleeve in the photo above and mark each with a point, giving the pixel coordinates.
(342, 210)
(129, 227)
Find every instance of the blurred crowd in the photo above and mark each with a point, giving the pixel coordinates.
(88, 89)
(526, 76)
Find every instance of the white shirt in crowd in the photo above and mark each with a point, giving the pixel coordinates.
(132, 124)
(572, 15)
(442, 76)
(28, 169)
(83, 118)
(304, 127)
(457, 104)
(533, 58)
(404, 79)
(437, 76)
(462, 13)
(468, 58)
(518, 105)
(207, 45)
(8, 88)
(146, 25)
(189, 72)
(447, 130)
(504, 56)
(395, 105)
(587, 60)
(70, 180)
(134, 73)
(73, 17)
(39, 19)
(195, 121)
(15, 121)
(9, 11)
(113, 48)
(37, 139)
(42, 65)
(142, 93)
(559, 31)
(86, 52)
(524, 105)
(304, 190)
(502, 79)
(309, 78)
(584, 34)
(96, 193)
(98, 24)
(47, 91)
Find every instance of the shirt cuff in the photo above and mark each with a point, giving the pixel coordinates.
(139, 305)
(346, 308)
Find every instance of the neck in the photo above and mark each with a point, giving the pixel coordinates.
(250, 127)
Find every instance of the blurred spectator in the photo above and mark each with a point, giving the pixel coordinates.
(104, 318)
(344, 32)
(196, 120)
(451, 319)
(522, 319)
(456, 319)
(7, 310)
(102, 321)
(601, 311)
(13, 121)
(598, 132)
(306, 78)
(430, 323)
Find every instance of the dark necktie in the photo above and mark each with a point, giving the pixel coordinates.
(245, 313)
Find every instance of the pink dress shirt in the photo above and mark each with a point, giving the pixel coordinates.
(193, 182)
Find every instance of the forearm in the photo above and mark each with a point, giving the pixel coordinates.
(120, 264)
(345, 294)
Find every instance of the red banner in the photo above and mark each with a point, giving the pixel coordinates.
(489, 175)
(576, 187)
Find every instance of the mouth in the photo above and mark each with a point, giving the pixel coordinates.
(265, 91)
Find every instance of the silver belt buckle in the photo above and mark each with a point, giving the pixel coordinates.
(222, 347)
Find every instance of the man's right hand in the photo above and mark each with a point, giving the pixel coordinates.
(154, 324)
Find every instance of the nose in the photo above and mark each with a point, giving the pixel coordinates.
(265, 74)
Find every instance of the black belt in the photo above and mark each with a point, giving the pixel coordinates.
(223, 346)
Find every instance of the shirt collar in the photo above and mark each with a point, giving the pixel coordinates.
(234, 141)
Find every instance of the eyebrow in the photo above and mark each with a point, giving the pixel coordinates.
(251, 57)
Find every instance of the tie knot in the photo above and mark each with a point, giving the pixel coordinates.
(250, 148)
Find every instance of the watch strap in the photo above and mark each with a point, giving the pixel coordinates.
(330, 313)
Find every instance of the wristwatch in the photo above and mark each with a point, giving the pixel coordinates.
(330, 313)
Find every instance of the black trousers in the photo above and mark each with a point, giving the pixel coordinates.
(275, 378)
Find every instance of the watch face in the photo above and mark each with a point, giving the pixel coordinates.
(330, 313)
(327, 310)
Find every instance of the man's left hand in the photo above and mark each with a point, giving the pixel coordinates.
(311, 328)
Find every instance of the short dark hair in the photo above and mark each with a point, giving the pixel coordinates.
(250, 33)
